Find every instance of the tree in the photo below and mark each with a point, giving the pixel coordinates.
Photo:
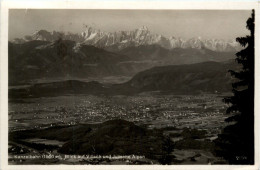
(236, 142)
(167, 148)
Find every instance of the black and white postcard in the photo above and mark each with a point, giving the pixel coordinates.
(163, 85)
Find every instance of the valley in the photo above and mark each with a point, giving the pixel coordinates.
(151, 110)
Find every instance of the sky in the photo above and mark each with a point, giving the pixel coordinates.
(219, 24)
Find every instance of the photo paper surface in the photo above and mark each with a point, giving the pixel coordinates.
(96, 87)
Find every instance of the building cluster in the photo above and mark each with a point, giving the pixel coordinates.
(204, 112)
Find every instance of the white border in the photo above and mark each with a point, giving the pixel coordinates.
(99, 4)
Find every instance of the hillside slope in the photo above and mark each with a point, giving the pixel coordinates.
(185, 79)
(62, 58)
(207, 77)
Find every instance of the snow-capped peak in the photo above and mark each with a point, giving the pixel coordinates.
(140, 36)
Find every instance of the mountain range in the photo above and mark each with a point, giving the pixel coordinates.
(115, 41)
(97, 55)
(66, 58)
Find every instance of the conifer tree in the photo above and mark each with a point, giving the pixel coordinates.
(236, 142)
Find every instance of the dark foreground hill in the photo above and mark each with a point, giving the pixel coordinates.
(114, 137)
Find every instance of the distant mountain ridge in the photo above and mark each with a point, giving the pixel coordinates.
(174, 56)
(115, 41)
(207, 77)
